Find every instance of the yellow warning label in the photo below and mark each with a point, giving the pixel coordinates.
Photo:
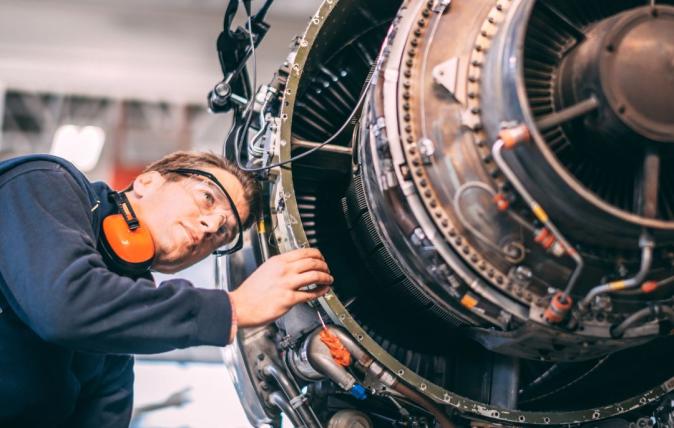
(618, 285)
(539, 212)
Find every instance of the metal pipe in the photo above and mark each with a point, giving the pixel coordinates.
(651, 183)
(277, 399)
(296, 400)
(356, 351)
(664, 282)
(668, 311)
(541, 215)
(640, 315)
(332, 148)
(317, 355)
(570, 113)
(552, 371)
(365, 361)
(422, 401)
(320, 358)
(630, 321)
(657, 285)
(646, 243)
(271, 370)
(316, 348)
(456, 204)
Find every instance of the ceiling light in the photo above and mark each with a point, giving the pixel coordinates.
(80, 145)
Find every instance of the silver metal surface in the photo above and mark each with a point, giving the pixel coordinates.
(463, 224)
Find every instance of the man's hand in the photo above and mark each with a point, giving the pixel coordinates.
(274, 287)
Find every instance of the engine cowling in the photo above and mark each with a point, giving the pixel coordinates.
(498, 212)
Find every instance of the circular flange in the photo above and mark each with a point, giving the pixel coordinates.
(411, 83)
(292, 236)
(637, 71)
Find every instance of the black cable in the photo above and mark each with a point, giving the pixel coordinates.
(246, 6)
(232, 7)
(248, 111)
(259, 16)
(310, 151)
(235, 115)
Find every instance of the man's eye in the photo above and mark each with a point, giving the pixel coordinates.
(208, 198)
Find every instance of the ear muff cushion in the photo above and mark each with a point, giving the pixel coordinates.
(130, 246)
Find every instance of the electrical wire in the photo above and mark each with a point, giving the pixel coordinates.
(248, 111)
(241, 131)
(569, 383)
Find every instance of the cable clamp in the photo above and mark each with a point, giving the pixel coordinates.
(298, 401)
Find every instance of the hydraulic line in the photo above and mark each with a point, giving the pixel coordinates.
(649, 287)
(295, 399)
(422, 401)
(375, 369)
(646, 243)
(636, 318)
(456, 203)
(278, 400)
(513, 137)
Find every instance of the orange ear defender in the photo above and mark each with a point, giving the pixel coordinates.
(126, 243)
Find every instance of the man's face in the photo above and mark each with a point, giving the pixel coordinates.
(185, 223)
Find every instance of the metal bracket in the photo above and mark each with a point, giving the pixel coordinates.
(446, 74)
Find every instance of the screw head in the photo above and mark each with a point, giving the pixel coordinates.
(222, 89)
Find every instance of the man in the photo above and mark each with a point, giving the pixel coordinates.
(73, 311)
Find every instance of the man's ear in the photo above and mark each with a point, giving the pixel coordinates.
(146, 183)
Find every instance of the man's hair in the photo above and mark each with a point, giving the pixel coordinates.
(194, 160)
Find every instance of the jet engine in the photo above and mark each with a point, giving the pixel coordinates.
(491, 184)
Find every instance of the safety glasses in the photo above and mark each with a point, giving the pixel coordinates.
(212, 199)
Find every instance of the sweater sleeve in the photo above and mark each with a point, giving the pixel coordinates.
(55, 280)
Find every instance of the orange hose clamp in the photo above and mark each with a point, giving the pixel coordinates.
(541, 235)
(549, 241)
(558, 308)
(649, 286)
(511, 137)
(501, 202)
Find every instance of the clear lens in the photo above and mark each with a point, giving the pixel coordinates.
(216, 209)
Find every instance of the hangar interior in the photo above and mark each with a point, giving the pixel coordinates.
(488, 180)
(114, 86)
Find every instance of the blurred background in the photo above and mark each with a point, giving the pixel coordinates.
(112, 86)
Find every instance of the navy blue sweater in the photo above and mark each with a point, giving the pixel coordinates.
(68, 323)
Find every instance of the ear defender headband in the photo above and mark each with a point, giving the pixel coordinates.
(126, 243)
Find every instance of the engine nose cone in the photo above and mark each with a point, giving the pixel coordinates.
(637, 71)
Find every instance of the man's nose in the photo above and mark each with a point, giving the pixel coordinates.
(210, 223)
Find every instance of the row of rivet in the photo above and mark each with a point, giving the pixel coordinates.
(420, 176)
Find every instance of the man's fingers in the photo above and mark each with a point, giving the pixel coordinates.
(311, 277)
(301, 253)
(306, 265)
(306, 296)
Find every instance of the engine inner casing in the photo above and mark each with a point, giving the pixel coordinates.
(441, 271)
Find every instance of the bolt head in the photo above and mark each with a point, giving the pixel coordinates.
(223, 90)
